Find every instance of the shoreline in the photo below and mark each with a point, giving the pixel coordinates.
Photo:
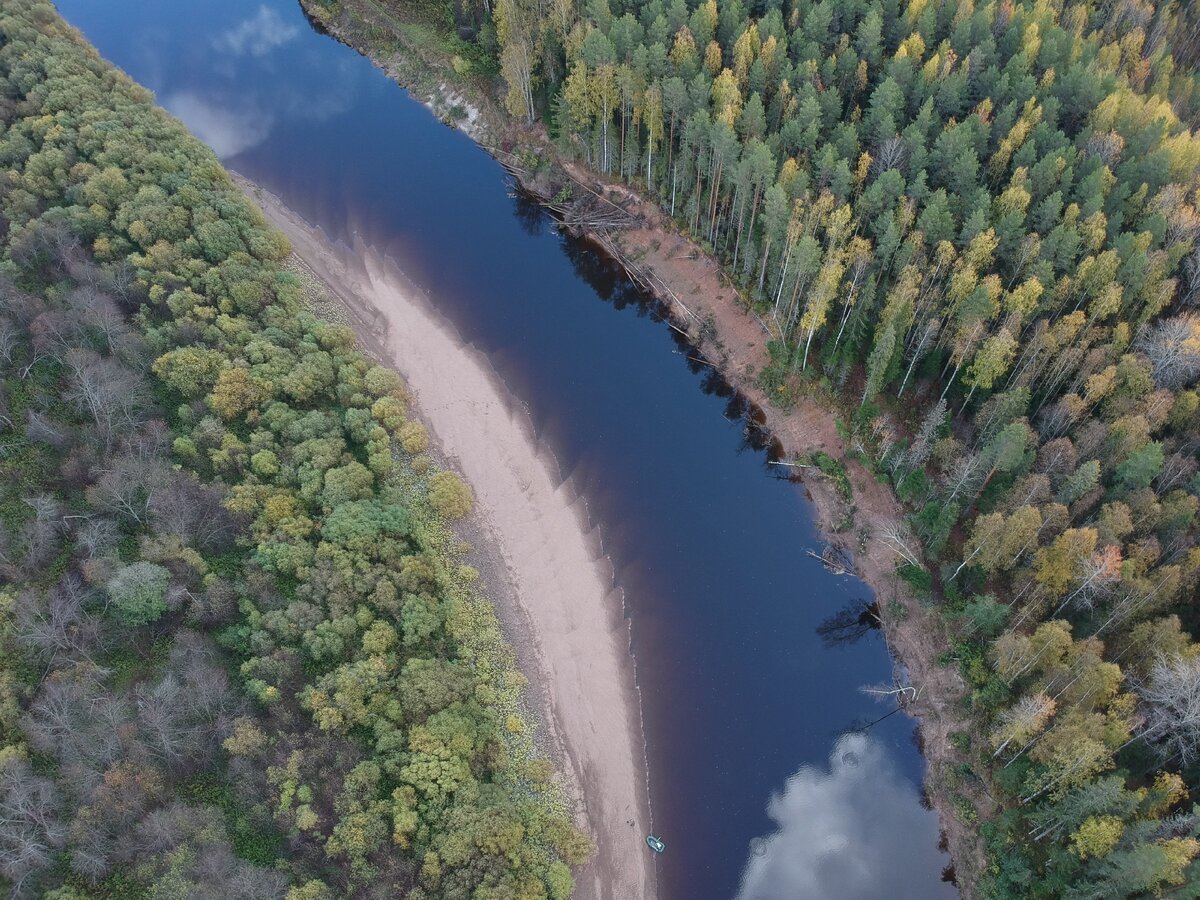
(533, 542)
(671, 265)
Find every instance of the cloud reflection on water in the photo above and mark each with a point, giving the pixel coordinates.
(256, 36)
(856, 832)
(245, 95)
(228, 128)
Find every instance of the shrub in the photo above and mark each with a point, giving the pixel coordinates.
(413, 437)
(984, 617)
(139, 593)
(835, 471)
(916, 577)
(450, 495)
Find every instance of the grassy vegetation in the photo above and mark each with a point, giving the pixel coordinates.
(835, 471)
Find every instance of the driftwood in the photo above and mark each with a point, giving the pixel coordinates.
(597, 214)
(592, 210)
(644, 278)
(589, 210)
(904, 693)
(835, 559)
(696, 359)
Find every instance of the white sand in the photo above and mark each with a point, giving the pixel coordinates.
(574, 639)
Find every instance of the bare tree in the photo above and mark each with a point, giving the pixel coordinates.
(1183, 225)
(917, 350)
(922, 444)
(903, 693)
(103, 319)
(149, 443)
(1173, 348)
(1108, 145)
(216, 603)
(1032, 489)
(18, 305)
(189, 711)
(114, 396)
(10, 340)
(128, 485)
(1057, 458)
(1178, 469)
(108, 808)
(97, 537)
(54, 332)
(192, 511)
(1097, 576)
(121, 281)
(47, 240)
(163, 721)
(1091, 439)
(895, 537)
(162, 829)
(964, 477)
(41, 430)
(209, 861)
(1189, 280)
(90, 851)
(78, 721)
(891, 154)
(56, 628)
(1171, 703)
(31, 830)
(1057, 418)
(40, 536)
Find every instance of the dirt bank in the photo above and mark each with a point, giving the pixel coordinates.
(552, 588)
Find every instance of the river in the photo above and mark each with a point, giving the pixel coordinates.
(760, 783)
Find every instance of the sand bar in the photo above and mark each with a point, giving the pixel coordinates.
(552, 587)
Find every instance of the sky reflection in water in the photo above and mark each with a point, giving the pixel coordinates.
(248, 87)
(258, 35)
(846, 833)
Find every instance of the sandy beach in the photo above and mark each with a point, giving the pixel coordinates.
(540, 558)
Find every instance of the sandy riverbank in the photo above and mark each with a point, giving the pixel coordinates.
(540, 560)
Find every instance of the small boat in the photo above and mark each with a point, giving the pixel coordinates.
(655, 843)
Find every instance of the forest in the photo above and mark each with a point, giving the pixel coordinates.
(241, 654)
(976, 223)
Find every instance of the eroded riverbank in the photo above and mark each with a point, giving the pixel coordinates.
(541, 556)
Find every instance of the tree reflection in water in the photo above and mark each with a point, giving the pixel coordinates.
(850, 624)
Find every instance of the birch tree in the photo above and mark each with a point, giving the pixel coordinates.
(519, 31)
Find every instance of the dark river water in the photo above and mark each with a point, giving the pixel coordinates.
(761, 785)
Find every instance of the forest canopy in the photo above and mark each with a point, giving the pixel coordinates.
(240, 654)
